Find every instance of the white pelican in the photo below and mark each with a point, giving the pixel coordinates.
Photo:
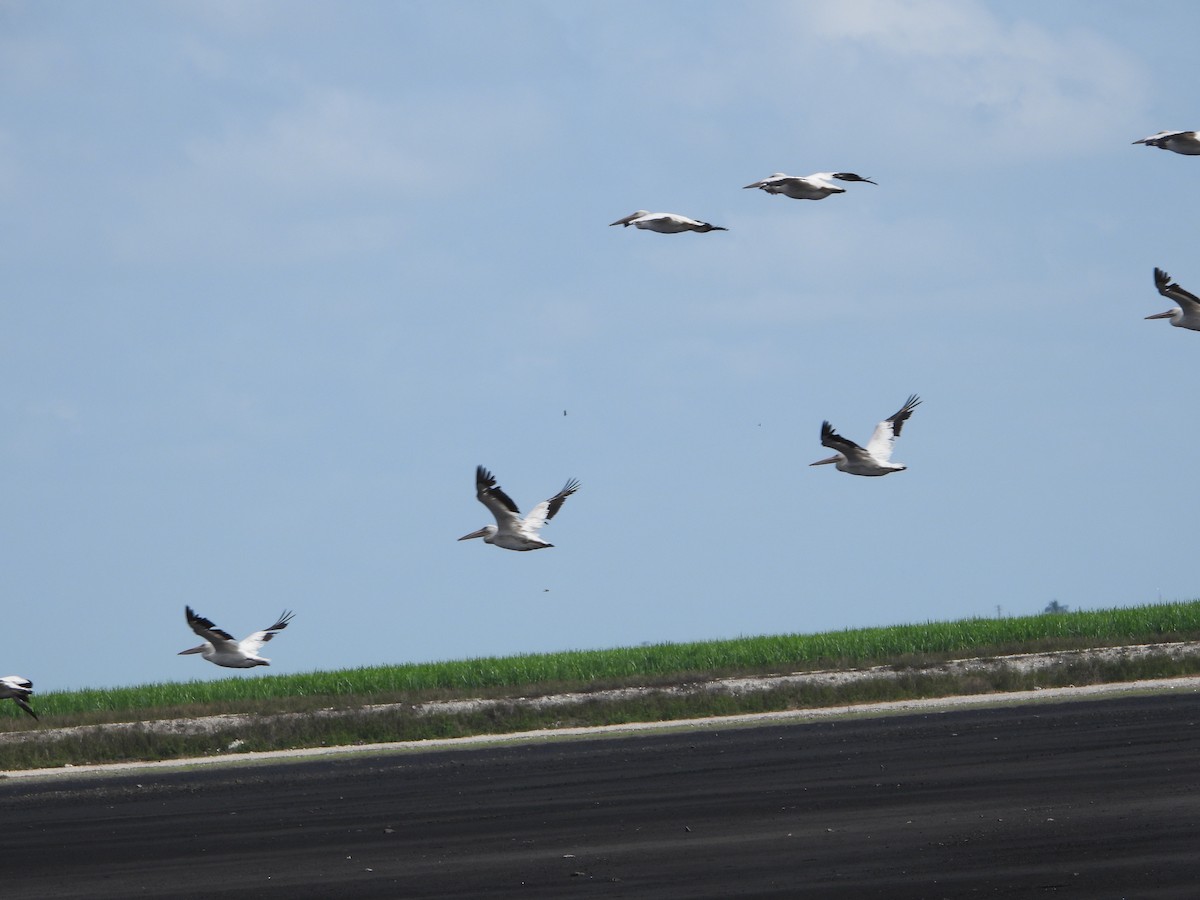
(18, 689)
(511, 531)
(665, 223)
(817, 186)
(876, 459)
(220, 647)
(1185, 142)
(1187, 313)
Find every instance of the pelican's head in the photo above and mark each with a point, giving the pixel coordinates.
(764, 181)
(628, 220)
(836, 458)
(850, 176)
(199, 649)
(1171, 314)
(486, 532)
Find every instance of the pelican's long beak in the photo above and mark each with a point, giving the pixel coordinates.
(1165, 315)
(199, 649)
(474, 534)
(825, 462)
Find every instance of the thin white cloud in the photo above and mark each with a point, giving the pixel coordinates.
(246, 17)
(752, 359)
(836, 83)
(8, 163)
(56, 410)
(1012, 88)
(333, 173)
(29, 63)
(914, 28)
(331, 140)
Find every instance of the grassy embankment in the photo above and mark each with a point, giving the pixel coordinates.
(269, 700)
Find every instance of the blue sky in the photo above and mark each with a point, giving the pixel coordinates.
(279, 275)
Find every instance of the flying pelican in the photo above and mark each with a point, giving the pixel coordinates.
(1187, 313)
(876, 459)
(1185, 142)
(817, 186)
(219, 646)
(511, 531)
(18, 689)
(665, 223)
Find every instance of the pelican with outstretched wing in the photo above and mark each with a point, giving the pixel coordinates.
(876, 457)
(511, 531)
(1187, 313)
(221, 648)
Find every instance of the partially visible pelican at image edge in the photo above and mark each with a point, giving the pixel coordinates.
(1187, 313)
(18, 689)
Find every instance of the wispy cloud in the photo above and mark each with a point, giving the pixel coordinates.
(330, 141)
(1015, 89)
(245, 17)
(8, 163)
(331, 173)
(29, 62)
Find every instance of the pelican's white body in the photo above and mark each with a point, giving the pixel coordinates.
(665, 223)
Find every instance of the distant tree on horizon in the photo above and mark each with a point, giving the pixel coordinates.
(1055, 608)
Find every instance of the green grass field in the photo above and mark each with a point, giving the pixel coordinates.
(538, 674)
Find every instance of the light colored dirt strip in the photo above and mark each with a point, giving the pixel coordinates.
(1020, 662)
(1189, 684)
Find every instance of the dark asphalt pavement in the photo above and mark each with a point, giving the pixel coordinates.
(1090, 799)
